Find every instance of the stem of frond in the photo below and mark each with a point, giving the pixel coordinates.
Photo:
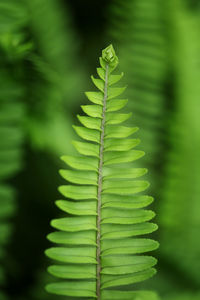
(100, 178)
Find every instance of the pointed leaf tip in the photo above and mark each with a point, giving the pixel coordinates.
(109, 55)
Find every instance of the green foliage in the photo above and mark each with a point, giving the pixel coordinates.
(98, 243)
(45, 48)
(185, 296)
(179, 211)
(12, 110)
(53, 80)
(138, 28)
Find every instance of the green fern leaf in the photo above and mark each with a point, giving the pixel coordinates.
(181, 171)
(138, 27)
(98, 242)
(13, 49)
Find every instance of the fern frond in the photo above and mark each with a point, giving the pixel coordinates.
(138, 28)
(54, 70)
(11, 136)
(12, 110)
(179, 211)
(98, 243)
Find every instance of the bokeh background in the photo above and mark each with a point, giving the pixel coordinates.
(48, 50)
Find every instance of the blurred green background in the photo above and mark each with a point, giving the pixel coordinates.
(48, 50)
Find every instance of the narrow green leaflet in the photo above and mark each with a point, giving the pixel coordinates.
(130, 265)
(73, 288)
(115, 105)
(99, 83)
(120, 145)
(100, 240)
(115, 78)
(110, 173)
(73, 271)
(80, 255)
(129, 246)
(122, 231)
(116, 118)
(80, 177)
(73, 238)
(128, 295)
(89, 122)
(119, 131)
(93, 110)
(88, 149)
(77, 208)
(113, 280)
(116, 157)
(74, 224)
(125, 188)
(95, 97)
(87, 134)
(78, 192)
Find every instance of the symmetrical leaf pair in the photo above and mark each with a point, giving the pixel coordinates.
(99, 245)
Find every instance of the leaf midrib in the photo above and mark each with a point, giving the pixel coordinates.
(100, 181)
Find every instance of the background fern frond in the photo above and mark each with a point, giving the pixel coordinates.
(12, 110)
(99, 242)
(179, 213)
(139, 30)
(54, 77)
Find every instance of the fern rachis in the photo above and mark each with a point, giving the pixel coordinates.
(99, 247)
